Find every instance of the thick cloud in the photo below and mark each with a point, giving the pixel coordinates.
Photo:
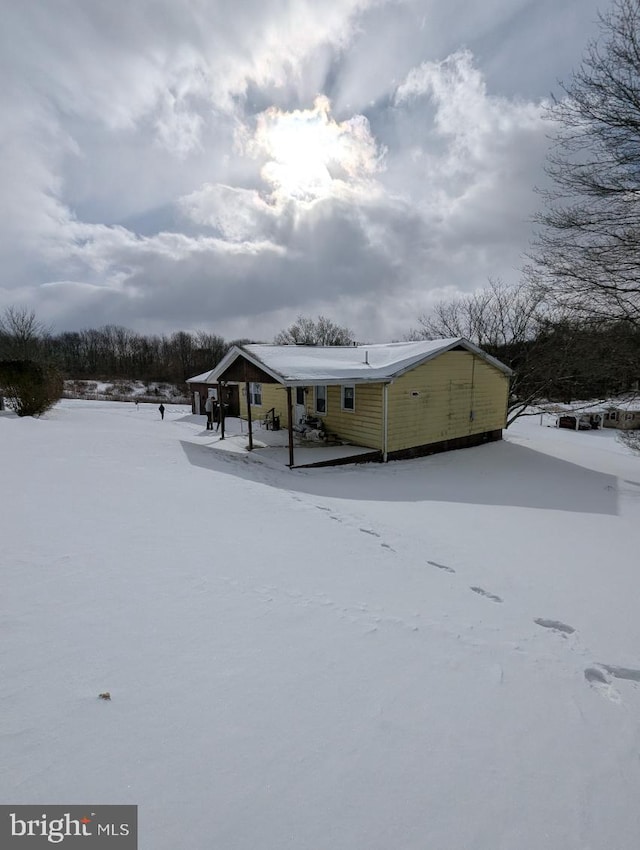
(228, 166)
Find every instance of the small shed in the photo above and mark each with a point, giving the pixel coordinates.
(201, 387)
(398, 399)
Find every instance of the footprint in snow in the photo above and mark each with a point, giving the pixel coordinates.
(555, 625)
(483, 592)
(621, 672)
(599, 681)
(386, 546)
(368, 531)
(441, 566)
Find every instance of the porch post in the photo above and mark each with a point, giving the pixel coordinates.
(246, 392)
(290, 414)
(221, 410)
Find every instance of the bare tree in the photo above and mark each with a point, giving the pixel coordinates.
(321, 331)
(494, 317)
(182, 354)
(210, 349)
(587, 252)
(21, 334)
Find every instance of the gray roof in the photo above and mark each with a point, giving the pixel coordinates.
(299, 365)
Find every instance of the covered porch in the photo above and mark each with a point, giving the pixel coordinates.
(273, 446)
(293, 431)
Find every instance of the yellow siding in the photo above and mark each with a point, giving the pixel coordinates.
(273, 395)
(361, 426)
(450, 388)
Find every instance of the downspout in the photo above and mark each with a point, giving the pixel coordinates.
(385, 422)
(506, 404)
(472, 413)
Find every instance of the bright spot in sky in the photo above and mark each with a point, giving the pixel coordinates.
(310, 155)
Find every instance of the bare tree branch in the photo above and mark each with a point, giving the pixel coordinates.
(587, 252)
(320, 331)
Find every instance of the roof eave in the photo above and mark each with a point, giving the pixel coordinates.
(335, 382)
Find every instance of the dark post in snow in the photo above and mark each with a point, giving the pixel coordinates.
(290, 414)
(246, 392)
(221, 410)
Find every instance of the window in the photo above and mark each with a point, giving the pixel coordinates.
(255, 395)
(321, 399)
(348, 398)
(629, 416)
(300, 395)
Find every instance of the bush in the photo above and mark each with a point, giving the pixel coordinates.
(631, 439)
(30, 388)
(79, 388)
(122, 388)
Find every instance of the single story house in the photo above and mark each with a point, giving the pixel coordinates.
(398, 399)
(201, 387)
(623, 414)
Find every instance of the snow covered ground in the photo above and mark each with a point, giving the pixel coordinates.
(438, 654)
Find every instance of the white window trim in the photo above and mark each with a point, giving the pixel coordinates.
(342, 389)
(315, 400)
(252, 394)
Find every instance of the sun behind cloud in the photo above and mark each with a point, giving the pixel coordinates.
(309, 155)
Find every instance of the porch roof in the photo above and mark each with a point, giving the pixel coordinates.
(204, 378)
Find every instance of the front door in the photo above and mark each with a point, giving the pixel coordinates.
(299, 409)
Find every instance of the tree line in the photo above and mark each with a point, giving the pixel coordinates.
(110, 352)
(114, 352)
(34, 361)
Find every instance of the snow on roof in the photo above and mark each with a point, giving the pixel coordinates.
(631, 403)
(296, 364)
(204, 378)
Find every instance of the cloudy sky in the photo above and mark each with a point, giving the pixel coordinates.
(229, 164)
